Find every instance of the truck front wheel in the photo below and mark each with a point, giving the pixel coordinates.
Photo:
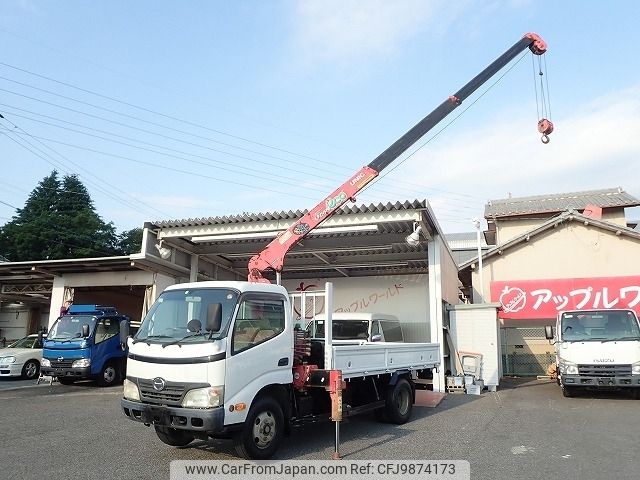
(173, 437)
(262, 431)
(399, 402)
(109, 375)
(568, 391)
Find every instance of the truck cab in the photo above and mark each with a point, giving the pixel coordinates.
(84, 344)
(372, 327)
(597, 349)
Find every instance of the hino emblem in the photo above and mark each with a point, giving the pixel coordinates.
(158, 384)
(60, 359)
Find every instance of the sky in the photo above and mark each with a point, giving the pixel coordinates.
(176, 110)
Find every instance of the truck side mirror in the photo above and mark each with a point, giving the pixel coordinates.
(85, 330)
(376, 338)
(124, 333)
(548, 332)
(214, 317)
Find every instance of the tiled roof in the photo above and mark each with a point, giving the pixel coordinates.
(257, 217)
(558, 202)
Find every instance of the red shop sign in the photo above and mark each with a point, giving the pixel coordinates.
(531, 299)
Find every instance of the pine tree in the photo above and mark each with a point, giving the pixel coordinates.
(28, 236)
(58, 221)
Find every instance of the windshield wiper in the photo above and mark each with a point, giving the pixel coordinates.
(621, 338)
(177, 342)
(136, 340)
(70, 339)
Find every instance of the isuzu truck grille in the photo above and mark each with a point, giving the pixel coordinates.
(604, 370)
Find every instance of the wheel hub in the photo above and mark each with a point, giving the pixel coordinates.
(264, 429)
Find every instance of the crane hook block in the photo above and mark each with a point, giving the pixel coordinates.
(545, 127)
(538, 45)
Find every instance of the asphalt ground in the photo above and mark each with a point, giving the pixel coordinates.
(525, 430)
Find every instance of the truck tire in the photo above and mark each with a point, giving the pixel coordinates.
(66, 380)
(31, 369)
(568, 392)
(399, 402)
(262, 432)
(173, 437)
(636, 393)
(109, 375)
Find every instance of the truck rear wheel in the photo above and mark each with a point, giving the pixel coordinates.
(174, 437)
(262, 432)
(399, 402)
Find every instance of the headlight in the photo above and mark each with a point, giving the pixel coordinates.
(207, 397)
(635, 368)
(131, 391)
(567, 368)
(82, 363)
(8, 360)
(45, 362)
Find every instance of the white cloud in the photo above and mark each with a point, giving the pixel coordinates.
(596, 146)
(342, 30)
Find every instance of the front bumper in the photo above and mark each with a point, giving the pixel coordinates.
(68, 372)
(600, 382)
(11, 370)
(205, 420)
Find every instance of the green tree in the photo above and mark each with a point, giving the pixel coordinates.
(130, 241)
(58, 221)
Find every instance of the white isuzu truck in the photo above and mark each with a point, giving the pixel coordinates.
(597, 349)
(222, 360)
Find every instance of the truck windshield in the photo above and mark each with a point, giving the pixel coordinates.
(69, 327)
(342, 329)
(600, 325)
(167, 319)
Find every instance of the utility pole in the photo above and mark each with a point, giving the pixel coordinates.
(476, 221)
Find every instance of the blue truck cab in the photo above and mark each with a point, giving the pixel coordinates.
(85, 343)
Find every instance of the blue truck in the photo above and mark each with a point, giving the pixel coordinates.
(85, 343)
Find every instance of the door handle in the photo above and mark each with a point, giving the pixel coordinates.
(283, 362)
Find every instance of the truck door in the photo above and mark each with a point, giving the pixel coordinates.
(259, 352)
(106, 341)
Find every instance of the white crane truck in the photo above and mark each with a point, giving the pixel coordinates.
(222, 359)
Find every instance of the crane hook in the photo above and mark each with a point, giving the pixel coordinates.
(545, 127)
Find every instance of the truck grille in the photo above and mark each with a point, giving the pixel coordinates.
(604, 370)
(171, 394)
(62, 364)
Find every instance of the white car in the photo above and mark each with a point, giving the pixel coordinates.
(22, 358)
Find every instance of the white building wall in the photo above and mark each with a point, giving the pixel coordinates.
(405, 296)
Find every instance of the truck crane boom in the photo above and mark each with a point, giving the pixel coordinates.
(272, 256)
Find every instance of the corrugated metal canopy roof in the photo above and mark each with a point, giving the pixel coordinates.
(287, 215)
(359, 240)
(559, 202)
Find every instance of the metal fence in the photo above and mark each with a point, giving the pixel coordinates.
(525, 352)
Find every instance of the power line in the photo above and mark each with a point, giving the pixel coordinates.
(174, 118)
(279, 177)
(165, 167)
(8, 205)
(171, 117)
(58, 165)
